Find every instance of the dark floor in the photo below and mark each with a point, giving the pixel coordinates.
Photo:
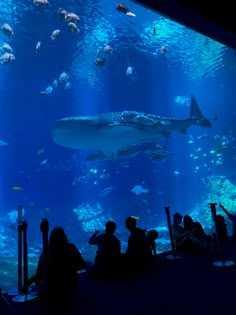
(189, 285)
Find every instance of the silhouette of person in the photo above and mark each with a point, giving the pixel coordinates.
(199, 237)
(152, 235)
(232, 217)
(221, 228)
(138, 252)
(60, 280)
(107, 260)
(188, 237)
(181, 237)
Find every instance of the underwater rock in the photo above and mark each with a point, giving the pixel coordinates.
(91, 217)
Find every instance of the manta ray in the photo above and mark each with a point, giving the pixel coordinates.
(123, 134)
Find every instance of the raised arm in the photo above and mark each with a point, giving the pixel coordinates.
(230, 215)
(93, 238)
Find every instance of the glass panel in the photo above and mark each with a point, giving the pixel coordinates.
(132, 144)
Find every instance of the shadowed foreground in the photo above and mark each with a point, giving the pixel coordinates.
(189, 285)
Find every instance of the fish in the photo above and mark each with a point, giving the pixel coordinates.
(49, 89)
(113, 132)
(106, 191)
(129, 71)
(55, 84)
(7, 58)
(3, 143)
(158, 156)
(64, 77)
(7, 48)
(138, 190)
(55, 34)
(17, 188)
(37, 47)
(7, 30)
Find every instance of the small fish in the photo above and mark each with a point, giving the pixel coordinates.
(158, 156)
(62, 13)
(3, 143)
(68, 85)
(99, 61)
(43, 93)
(7, 30)
(121, 7)
(127, 153)
(64, 77)
(55, 84)
(55, 34)
(129, 71)
(49, 89)
(41, 3)
(44, 162)
(73, 27)
(37, 47)
(7, 48)
(7, 58)
(163, 50)
(71, 17)
(108, 49)
(106, 191)
(17, 188)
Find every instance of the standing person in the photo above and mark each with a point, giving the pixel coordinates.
(60, 279)
(107, 260)
(221, 228)
(152, 235)
(138, 253)
(232, 217)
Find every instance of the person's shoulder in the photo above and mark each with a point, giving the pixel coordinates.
(72, 247)
(139, 232)
(116, 238)
(197, 224)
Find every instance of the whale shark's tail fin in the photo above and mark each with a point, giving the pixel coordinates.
(196, 115)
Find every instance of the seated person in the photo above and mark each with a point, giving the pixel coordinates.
(199, 238)
(57, 274)
(138, 253)
(107, 260)
(185, 237)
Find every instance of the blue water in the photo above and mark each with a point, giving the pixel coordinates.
(56, 180)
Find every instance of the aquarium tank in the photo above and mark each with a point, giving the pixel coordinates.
(108, 113)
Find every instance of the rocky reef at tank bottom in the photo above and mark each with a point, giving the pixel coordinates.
(92, 216)
(218, 189)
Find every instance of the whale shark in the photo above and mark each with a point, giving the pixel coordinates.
(113, 133)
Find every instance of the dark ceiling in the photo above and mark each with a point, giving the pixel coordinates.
(214, 19)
